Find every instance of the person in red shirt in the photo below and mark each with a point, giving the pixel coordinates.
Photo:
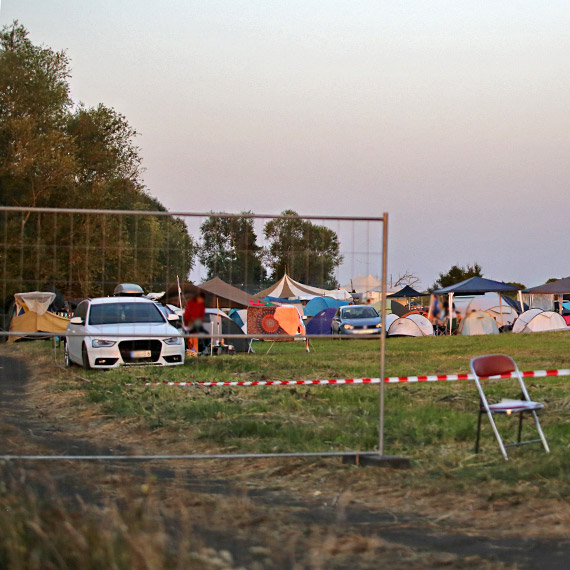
(193, 318)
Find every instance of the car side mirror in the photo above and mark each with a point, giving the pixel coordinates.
(76, 321)
(173, 317)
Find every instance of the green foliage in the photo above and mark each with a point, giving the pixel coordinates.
(307, 252)
(229, 250)
(54, 155)
(457, 274)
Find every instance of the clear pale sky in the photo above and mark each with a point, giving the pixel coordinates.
(452, 116)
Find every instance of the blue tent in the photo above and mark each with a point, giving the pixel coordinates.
(318, 304)
(321, 323)
(477, 286)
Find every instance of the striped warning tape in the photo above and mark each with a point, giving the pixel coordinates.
(389, 380)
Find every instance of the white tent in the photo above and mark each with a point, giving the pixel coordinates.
(536, 320)
(478, 322)
(422, 322)
(390, 319)
(287, 288)
(362, 284)
(405, 326)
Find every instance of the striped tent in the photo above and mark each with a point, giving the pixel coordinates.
(287, 288)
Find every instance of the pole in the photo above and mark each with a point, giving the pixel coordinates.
(383, 331)
(179, 292)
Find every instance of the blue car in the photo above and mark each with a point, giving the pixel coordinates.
(356, 320)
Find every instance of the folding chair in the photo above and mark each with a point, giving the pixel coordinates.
(495, 365)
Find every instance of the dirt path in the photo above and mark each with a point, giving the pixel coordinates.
(262, 525)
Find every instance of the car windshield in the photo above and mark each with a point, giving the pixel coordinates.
(117, 313)
(359, 313)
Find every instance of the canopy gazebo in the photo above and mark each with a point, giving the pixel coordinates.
(473, 286)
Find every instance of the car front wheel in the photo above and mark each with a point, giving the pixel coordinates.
(85, 358)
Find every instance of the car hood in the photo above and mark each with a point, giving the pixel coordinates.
(128, 329)
(372, 322)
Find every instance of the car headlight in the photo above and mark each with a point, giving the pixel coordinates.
(173, 340)
(100, 343)
(348, 327)
(378, 325)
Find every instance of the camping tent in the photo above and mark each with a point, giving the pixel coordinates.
(32, 315)
(321, 323)
(537, 320)
(390, 319)
(362, 284)
(404, 327)
(227, 293)
(422, 322)
(318, 304)
(287, 288)
(478, 322)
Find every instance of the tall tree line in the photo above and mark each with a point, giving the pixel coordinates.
(60, 155)
(56, 154)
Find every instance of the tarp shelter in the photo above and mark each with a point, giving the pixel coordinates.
(537, 320)
(287, 288)
(32, 315)
(406, 293)
(213, 300)
(227, 293)
(559, 288)
(362, 284)
(474, 286)
(477, 323)
(318, 304)
(500, 309)
(277, 320)
(321, 323)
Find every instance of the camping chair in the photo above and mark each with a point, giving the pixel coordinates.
(495, 365)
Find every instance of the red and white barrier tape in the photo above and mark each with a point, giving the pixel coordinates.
(389, 380)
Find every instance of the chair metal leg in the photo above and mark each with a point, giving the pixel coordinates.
(498, 435)
(520, 426)
(478, 431)
(541, 433)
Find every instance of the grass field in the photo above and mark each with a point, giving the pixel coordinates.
(433, 424)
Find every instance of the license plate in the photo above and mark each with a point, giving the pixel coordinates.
(140, 354)
(363, 331)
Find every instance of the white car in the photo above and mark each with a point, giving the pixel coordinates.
(111, 332)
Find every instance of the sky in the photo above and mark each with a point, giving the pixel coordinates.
(453, 117)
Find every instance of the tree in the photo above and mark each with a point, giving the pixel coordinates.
(457, 274)
(406, 278)
(307, 252)
(55, 155)
(229, 250)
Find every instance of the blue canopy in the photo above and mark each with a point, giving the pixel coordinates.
(318, 304)
(321, 323)
(477, 286)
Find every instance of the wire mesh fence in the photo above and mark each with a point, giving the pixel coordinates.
(261, 277)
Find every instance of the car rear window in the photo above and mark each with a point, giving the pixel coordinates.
(118, 313)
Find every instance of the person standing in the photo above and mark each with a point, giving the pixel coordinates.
(193, 319)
